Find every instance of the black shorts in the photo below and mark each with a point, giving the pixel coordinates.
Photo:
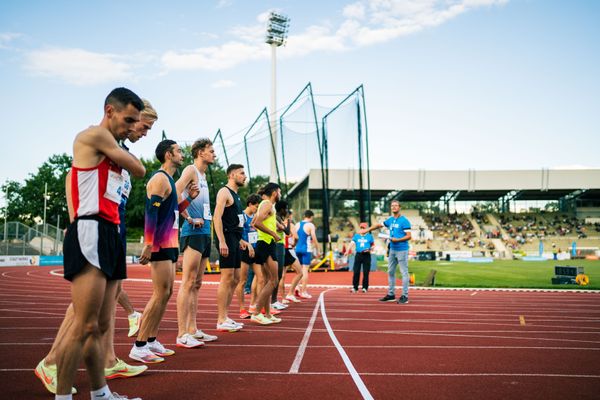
(265, 250)
(290, 257)
(200, 243)
(168, 254)
(94, 240)
(246, 257)
(234, 257)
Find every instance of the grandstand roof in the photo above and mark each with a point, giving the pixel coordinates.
(467, 185)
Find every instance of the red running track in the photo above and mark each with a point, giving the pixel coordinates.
(443, 344)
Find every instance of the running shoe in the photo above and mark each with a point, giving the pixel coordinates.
(305, 295)
(278, 306)
(292, 298)
(123, 370)
(244, 314)
(274, 311)
(252, 308)
(117, 396)
(364, 290)
(261, 319)
(144, 354)
(159, 349)
(388, 297)
(274, 319)
(134, 323)
(187, 341)
(234, 322)
(47, 374)
(353, 290)
(285, 301)
(227, 326)
(403, 299)
(205, 337)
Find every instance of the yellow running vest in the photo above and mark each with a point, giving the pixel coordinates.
(269, 222)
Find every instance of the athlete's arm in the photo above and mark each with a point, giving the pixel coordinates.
(407, 236)
(371, 228)
(313, 234)
(105, 143)
(351, 247)
(156, 191)
(261, 215)
(221, 202)
(69, 199)
(190, 193)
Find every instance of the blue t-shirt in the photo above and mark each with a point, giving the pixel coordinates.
(397, 226)
(363, 242)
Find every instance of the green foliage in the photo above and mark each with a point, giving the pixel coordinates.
(26, 201)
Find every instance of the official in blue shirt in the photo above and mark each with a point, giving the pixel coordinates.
(363, 244)
(399, 227)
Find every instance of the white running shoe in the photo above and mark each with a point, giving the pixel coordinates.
(278, 306)
(144, 354)
(241, 324)
(292, 298)
(228, 327)
(117, 396)
(187, 341)
(159, 349)
(205, 337)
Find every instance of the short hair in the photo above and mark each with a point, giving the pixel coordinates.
(149, 112)
(233, 167)
(395, 201)
(268, 189)
(121, 97)
(200, 144)
(253, 199)
(162, 149)
(281, 205)
(308, 214)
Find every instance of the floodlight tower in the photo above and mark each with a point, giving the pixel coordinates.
(277, 31)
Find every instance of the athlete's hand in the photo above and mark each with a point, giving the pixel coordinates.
(277, 238)
(250, 251)
(193, 190)
(197, 222)
(243, 244)
(145, 256)
(223, 249)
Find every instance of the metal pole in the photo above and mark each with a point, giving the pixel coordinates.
(44, 221)
(57, 234)
(273, 111)
(6, 219)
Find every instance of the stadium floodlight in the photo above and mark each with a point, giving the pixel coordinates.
(276, 36)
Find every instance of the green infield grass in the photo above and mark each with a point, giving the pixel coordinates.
(499, 273)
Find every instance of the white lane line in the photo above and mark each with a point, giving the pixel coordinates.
(473, 294)
(355, 376)
(300, 353)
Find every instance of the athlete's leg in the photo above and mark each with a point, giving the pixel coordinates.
(61, 336)
(269, 270)
(90, 293)
(192, 322)
(229, 279)
(239, 290)
(163, 275)
(185, 299)
(298, 269)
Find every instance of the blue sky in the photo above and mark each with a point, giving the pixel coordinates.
(452, 84)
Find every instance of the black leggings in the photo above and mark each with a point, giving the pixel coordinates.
(361, 260)
(280, 251)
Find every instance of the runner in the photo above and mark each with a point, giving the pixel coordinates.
(113, 367)
(229, 224)
(291, 260)
(93, 252)
(195, 245)
(161, 248)
(307, 243)
(283, 230)
(250, 236)
(265, 256)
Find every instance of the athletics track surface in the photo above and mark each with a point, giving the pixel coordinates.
(444, 344)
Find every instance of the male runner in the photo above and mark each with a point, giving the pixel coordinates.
(290, 260)
(195, 244)
(307, 243)
(264, 255)
(283, 230)
(114, 367)
(161, 247)
(93, 252)
(229, 224)
(250, 236)
(400, 234)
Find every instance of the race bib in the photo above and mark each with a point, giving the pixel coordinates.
(114, 186)
(252, 237)
(309, 244)
(207, 214)
(176, 222)
(241, 218)
(126, 183)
